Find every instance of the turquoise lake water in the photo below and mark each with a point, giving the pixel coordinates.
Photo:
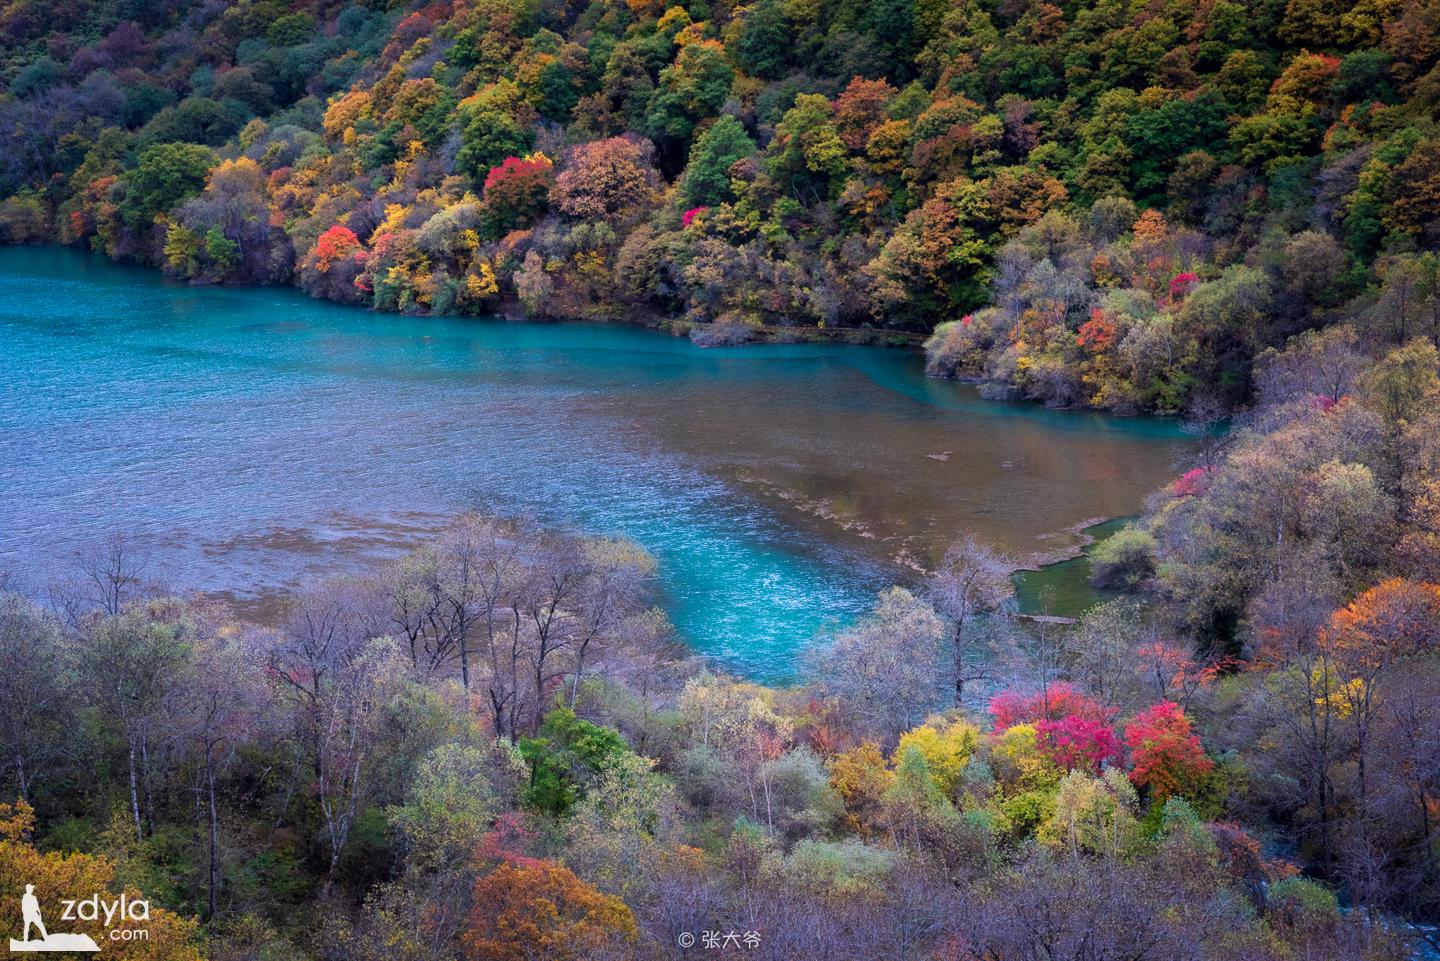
(258, 439)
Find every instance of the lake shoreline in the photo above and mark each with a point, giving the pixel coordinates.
(1040, 560)
(376, 545)
(710, 334)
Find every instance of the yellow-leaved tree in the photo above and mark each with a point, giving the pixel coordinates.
(63, 877)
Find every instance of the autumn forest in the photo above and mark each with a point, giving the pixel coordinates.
(495, 746)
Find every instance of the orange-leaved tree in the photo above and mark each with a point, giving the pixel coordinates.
(535, 910)
(76, 877)
(1391, 622)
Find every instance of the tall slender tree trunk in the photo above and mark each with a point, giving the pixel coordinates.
(497, 706)
(135, 793)
(214, 836)
(579, 670)
(1428, 833)
(330, 873)
(959, 664)
(769, 811)
(20, 774)
(145, 779)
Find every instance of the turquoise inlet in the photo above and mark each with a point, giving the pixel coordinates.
(260, 439)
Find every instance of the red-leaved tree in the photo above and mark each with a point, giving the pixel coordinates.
(1164, 755)
(1078, 743)
(516, 192)
(1061, 699)
(333, 245)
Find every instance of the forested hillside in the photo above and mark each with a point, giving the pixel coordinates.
(493, 750)
(1148, 194)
